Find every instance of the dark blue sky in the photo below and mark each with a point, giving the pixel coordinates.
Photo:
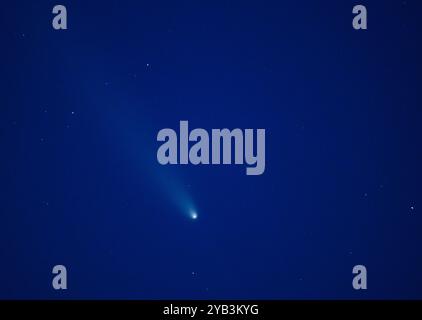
(80, 185)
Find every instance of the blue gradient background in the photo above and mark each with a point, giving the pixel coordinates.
(342, 110)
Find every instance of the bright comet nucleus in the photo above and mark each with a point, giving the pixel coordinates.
(194, 215)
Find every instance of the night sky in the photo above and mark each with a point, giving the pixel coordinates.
(80, 184)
